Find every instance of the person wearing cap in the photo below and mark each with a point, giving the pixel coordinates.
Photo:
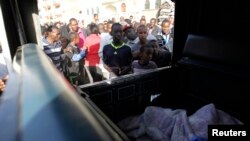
(130, 36)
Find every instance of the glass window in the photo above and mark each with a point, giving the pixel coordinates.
(147, 4)
(157, 4)
(97, 10)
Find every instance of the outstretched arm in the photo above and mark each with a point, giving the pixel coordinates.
(77, 57)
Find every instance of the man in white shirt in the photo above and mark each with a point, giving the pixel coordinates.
(106, 38)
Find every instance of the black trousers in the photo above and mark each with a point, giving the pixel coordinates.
(96, 73)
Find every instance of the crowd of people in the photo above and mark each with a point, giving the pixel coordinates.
(108, 49)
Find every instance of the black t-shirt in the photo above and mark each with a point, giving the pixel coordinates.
(117, 57)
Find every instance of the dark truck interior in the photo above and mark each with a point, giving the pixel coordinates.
(195, 80)
(210, 64)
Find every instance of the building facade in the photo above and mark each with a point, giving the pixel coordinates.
(63, 10)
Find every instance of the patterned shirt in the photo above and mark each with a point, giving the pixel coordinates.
(54, 52)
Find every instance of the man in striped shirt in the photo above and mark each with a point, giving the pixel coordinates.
(52, 46)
